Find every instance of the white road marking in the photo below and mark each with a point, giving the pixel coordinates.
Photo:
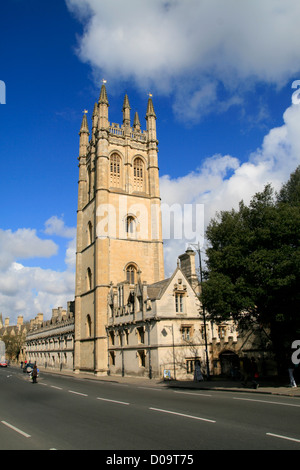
(282, 437)
(15, 429)
(57, 388)
(152, 388)
(267, 401)
(114, 401)
(182, 414)
(78, 393)
(196, 394)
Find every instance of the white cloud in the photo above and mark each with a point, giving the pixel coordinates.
(29, 290)
(223, 181)
(56, 226)
(190, 47)
(23, 244)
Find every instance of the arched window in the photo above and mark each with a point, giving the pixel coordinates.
(89, 279)
(130, 225)
(89, 180)
(89, 233)
(88, 326)
(115, 170)
(131, 273)
(138, 174)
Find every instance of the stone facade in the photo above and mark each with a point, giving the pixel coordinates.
(16, 334)
(51, 343)
(129, 319)
(119, 222)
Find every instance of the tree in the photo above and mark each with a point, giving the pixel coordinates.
(290, 192)
(253, 264)
(13, 344)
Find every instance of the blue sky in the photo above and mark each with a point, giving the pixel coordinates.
(221, 78)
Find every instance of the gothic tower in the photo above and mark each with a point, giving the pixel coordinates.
(119, 236)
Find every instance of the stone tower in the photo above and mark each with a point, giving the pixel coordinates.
(119, 236)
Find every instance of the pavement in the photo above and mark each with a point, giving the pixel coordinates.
(266, 386)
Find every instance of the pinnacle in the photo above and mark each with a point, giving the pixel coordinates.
(150, 108)
(84, 125)
(136, 121)
(103, 95)
(126, 102)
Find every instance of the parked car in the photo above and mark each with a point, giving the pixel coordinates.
(3, 364)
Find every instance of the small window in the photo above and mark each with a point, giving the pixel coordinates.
(88, 326)
(112, 338)
(130, 225)
(186, 333)
(126, 332)
(221, 331)
(89, 279)
(112, 358)
(90, 233)
(142, 358)
(89, 182)
(190, 366)
(131, 274)
(120, 335)
(179, 302)
(141, 335)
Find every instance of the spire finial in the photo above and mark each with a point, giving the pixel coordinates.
(150, 108)
(103, 95)
(84, 124)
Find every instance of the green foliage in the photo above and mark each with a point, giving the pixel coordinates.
(13, 345)
(253, 262)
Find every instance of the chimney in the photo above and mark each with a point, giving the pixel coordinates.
(39, 318)
(188, 267)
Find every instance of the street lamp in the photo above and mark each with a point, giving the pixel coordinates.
(173, 346)
(197, 249)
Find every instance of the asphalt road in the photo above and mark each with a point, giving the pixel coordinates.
(66, 413)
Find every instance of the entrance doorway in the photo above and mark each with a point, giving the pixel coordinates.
(230, 364)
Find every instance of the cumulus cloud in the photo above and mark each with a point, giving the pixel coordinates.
(56, 226)
(193, 49)
(222, 180)
(26, 290)
(23, 244)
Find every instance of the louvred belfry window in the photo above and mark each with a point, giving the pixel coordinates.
(115, 170)
(138, 174)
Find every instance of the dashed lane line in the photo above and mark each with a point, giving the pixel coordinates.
(16, 429)
(268, 402)
(182, 414)
(114, 401)
(282, 437)
(78, 393)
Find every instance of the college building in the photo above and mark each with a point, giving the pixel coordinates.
(128, 319)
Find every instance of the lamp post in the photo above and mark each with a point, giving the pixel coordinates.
(173, 346)
(197, 249)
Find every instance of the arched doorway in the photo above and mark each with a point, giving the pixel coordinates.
(230, 364)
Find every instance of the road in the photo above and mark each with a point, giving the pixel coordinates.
(66, 413)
